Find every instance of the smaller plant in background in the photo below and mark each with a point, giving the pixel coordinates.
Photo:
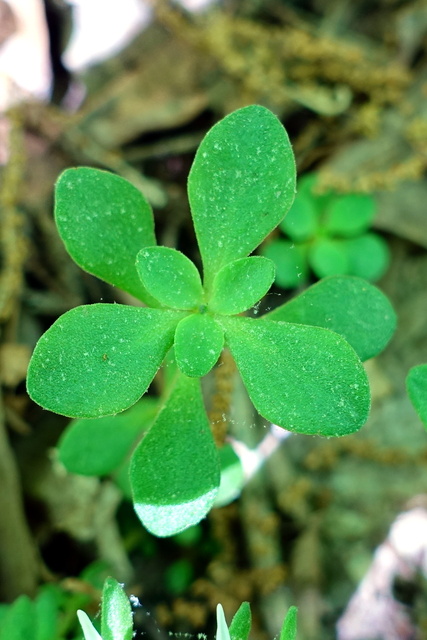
(416, 384)
(117, 619)
(329, 235)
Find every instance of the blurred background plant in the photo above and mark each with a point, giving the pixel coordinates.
(327, 234)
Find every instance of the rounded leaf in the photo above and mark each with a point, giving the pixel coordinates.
(95, 447)
(328, 258)
(349, 215)
(305, 379)
(368, 256)
(198, 344)
(99, 359)
(174, 470)
(170, 277)
(302, 221)
(240, 186)
(290, 260)
(350, 306)
(241, 284)
(104, 221)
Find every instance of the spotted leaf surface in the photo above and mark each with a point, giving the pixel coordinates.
(170, 277)
(198, 343)
(241, 284)
(305, 379)
(97, 360)
(104, 221)
(241, 185)
(240, 626)
(341, 303)
(116, 618)
(175, 471)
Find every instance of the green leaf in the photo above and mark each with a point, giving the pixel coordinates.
(222, 632)
(241, 284)
(198, 344)
(170, 277)
(340, 303)
(349, 215)
(416, 384)
(305, 379)
(121, 479)
(308, 186)
(174, 470)
(302, 221)
(232, 477)
(99, 359)
(328, 258)
(240, 626)
(369, 256)
(289, 628)
(89, 631)
(19, 622)
(95, 447)
(47, 613)
(116, 619)
(104, 221)
(189, 537)
(290, 260)
(240, 186)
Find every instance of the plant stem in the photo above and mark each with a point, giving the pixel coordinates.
(221, 398)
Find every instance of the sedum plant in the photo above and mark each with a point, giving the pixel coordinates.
(329, 235)
(117, 619)
(301, 363)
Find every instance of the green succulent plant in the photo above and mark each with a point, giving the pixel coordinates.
(327, 234)
(301, 363)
